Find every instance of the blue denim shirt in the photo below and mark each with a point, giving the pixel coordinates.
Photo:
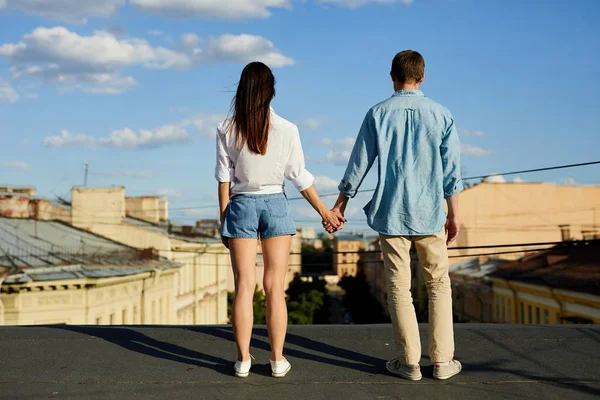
(416, 144)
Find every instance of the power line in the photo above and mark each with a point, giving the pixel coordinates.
(526, 171)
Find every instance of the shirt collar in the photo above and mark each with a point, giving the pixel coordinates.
(404, 92)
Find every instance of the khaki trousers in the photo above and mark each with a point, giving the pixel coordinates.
(433, 257)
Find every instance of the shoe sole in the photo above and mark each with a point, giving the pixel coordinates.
(281, 374)
(444, 377)
(242, 375)
(407, 377)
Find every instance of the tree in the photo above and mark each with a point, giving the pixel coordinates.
(307, 302)
(362, 305)
(259, 306)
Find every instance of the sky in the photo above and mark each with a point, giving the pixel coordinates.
(135, 88)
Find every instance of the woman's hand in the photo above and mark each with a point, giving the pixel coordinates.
(333, 220)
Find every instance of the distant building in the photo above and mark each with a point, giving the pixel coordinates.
(508, 213)
(209, 227)
(307, 233)
(472, 293)
(62, 275)
(201, 283)
(346, 248)
(555, 286)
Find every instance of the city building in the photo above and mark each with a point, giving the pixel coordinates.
(558, 285)
(509, 213)
(346, 248)
(201, 282)
(62, 275)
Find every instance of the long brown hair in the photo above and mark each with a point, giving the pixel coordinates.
(250, 107)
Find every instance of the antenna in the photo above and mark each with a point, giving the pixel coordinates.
(86, 173)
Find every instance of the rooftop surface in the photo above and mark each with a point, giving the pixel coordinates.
(328, 362)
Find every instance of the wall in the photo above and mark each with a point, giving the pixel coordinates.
(106, 301)
(522, 303)
(496, 213)
(346, 264)
(97, 206)
(146, 208)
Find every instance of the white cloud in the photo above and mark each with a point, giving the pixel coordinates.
(495, 179)
(31, 96)
(468, 150)
(471, 132)
(518, 179)
(127, 173)
(310, 123)
(72, 11)
(226, 9)
(206, 124)
(155, 32)
(169, 193)
(326, 183)
(338, 157)
(326, 142)
(128, 139)
(568, 182)
(345, 144)
(242, 48)
(360, 3)
(94, 63)
(124, 139)
(89, 63)
(21, 165)
(67, 139)
(7, 93)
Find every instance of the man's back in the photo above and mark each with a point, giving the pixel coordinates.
(419, 164)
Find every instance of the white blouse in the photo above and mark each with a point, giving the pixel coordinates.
(257, 174)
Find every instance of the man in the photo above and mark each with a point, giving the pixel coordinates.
(418, 151)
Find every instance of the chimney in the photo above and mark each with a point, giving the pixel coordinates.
(146, 208)
(92, 206)
(163, 213)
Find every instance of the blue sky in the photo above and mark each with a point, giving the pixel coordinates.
(138, 86)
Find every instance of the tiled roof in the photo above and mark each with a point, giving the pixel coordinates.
(568, 266)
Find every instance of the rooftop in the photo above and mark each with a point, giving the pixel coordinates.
(563, 267)
(328, 362)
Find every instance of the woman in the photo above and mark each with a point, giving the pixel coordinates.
(256, 150)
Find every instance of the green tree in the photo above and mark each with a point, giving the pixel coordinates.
(308, 302)
(363, 307)
(259, 305)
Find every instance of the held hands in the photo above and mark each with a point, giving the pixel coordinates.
(333, 220)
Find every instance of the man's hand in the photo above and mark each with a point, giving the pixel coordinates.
(452, 229)
(329, 227)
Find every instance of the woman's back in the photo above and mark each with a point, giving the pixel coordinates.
(253, 173)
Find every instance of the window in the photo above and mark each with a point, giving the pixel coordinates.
(99, 321)
(537, 315)
(529, 315)
(546, 317)
(522, 312)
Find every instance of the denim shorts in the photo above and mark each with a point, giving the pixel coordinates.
(258, 215)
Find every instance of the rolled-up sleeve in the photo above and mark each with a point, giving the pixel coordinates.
(362, 157)
(450, 152)
(224, 169)
(295, 169)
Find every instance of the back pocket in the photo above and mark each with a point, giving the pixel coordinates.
(278, 208)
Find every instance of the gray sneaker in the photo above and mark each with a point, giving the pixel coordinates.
(447, 371)
(410, 372)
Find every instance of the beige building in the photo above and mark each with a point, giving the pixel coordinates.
(346, 250)
(200, 284)
(508, 213)
(61, 275)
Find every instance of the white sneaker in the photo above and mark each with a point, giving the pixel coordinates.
(446, 371)
(280, 368)
(242, 368)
